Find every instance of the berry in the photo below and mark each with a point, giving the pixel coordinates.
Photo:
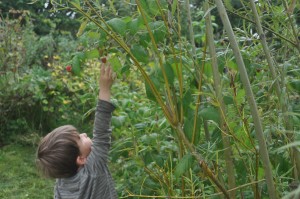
(69, 68)
(103, 59)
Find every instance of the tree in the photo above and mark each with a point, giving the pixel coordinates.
(39, 12)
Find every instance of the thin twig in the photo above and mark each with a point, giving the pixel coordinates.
(193, 197)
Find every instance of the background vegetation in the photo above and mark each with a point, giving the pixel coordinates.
(205, 107)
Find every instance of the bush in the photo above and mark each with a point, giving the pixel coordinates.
(36, 92)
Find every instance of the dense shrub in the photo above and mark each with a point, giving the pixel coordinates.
(36, 92)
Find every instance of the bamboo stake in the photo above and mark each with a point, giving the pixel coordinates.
(222, 111)
(295, 156)
(250, 98)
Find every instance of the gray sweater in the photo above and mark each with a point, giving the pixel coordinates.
(94, 179)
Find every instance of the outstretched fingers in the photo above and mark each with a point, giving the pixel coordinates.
(108, 71)
(105, 70)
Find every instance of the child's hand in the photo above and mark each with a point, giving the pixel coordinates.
(107, 77)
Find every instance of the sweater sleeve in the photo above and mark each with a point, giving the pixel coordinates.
(101, 135)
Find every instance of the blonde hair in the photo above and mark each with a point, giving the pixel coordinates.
(57, 153)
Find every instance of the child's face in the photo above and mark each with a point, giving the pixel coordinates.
(85, 145)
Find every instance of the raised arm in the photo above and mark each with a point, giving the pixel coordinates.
(102, 131)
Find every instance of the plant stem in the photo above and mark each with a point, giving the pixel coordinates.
(199, 98)
(222, 111)
(265, 28)
(291, 23)
(190, 25)
(123, 45)
(282, 99)
(199, 72)
(250, 98)
(207, 171)
(239, 187)
(178, 69)
(167, 87)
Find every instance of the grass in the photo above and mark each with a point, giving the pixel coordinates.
(18, 174)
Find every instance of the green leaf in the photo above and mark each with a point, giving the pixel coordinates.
(224, 62)
(187, 98)
(144, 39)
(92, 54)
(295, 84)
(148, 158)
(118, 121)
(159, 30)
(77, 61)
(261, 173)
(210, 113)
(91, 27)
(228, 100)
(76, 65)
(232, 65)
(116, 64)
(140, 53)
(118, 25)
(192, 134)
(125, 69)
(153, 8)
(145, 7)
(81, 28)
(240, 97)
(134, 25)
(183, 165)
(159, 160)
(121, 149)
(93, 35)
(169, 72)
(208, 69)
(174, 6)
(289, 145)
(228, 5)
(186, 102)
(296, 120)
(76, 4)
(81, 57)
(149, 92)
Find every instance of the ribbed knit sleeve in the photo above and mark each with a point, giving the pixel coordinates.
(101, 135)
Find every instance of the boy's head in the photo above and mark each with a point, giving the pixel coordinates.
(62, 152)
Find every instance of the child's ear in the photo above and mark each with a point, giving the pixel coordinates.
(80, 160)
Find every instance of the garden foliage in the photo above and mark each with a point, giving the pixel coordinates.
(36, 91)
(172, 128)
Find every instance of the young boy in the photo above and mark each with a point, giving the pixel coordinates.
(78, 163)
